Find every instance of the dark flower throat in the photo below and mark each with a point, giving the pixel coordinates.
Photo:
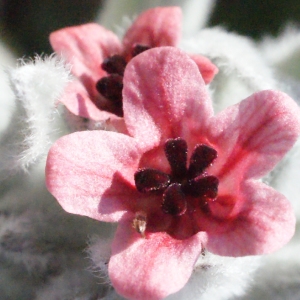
(183, 182)
(111, 86)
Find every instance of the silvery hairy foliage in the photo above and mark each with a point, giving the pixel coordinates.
(46, 253)
(42, 248)
(279, 276)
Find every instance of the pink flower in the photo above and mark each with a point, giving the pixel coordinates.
(183, 179)
(92, 50)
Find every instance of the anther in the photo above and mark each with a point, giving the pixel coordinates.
(114, 65)
(202, 157)
(151, 180)
(182, 184)
(176, 153)
(111, 87)
(202, 187)
(174, 202)
(138, 49)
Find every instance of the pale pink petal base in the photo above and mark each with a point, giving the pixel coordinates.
(87, 165)
(153, 267)
(78, 101)
(85, 47)
(265, 223)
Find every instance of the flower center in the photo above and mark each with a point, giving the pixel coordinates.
(183, 183)
(111, 86)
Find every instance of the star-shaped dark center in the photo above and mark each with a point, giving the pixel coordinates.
(183, 182)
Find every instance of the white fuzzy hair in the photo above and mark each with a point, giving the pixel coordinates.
(36, 84)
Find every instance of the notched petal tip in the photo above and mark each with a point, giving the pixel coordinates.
(255, 134)
(156, 264)
(284, 105)
(265, 223)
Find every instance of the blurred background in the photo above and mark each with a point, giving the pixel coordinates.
(26, 24)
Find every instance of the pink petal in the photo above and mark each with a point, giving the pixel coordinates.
(85, 47)
(265, 223)
(91, 173)
(207, 69)
(153, 267)
(252, 136)
(164, 96)
(77, 100)
(160, 26)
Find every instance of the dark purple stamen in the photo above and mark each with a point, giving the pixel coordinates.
(182, 182)
(174, 201)
(151, 180)
(176, 152)
(111, 87)
(202, 157)
(114, 65)
(202, 187)
(138, 49)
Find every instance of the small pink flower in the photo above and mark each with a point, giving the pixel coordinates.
(98, 60)
(183, 179)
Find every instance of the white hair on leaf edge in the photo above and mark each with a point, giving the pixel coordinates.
(99, 252)
(37, 84)
(279, 275)
(6, 96)
(218, 277)
(75, 282)
(283, 52)
(20, 249)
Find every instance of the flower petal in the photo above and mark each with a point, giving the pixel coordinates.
(164, 96)
(152, 267)
(91, 173)
(85, 47)
(78, 102)
(264, 224)
(207, 69)
(160, 26)
(252, 136)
